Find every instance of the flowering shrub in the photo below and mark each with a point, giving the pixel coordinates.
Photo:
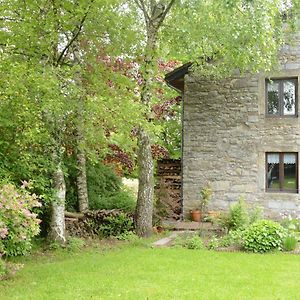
(291, 221)
(17, 222)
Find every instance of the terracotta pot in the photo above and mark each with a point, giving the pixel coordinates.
(196, 215)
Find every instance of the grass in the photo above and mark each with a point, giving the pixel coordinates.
(138, 272)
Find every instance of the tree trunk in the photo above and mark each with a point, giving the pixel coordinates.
(82, 181)
(81, 177)
(144, 207)
(57, 225)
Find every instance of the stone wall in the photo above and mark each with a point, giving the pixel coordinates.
(226, 136)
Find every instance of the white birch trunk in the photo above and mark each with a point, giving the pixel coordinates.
(57, 225)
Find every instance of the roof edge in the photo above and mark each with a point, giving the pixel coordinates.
(176, 75)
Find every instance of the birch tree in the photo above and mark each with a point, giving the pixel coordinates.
(217, 36)
(60, 44)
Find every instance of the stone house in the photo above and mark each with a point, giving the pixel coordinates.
(242, 136)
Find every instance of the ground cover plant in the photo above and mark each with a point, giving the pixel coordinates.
(139, 272)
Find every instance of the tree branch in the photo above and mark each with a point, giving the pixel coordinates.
(75, 34)
(141, 5)
(169, 6)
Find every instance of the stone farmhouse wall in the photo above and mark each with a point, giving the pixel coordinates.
(226, 136)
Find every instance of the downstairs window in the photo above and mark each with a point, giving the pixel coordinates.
(282, 172)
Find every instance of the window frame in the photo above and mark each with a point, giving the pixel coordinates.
(281, 173)
(281, 103)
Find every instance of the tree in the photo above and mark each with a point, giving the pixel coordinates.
(61, 45)
(218, 36)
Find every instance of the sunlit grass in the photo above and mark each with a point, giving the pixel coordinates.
(145, 273)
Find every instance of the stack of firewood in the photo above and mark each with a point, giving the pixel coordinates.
(168, 189)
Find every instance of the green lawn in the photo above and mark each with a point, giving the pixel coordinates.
(145, 273)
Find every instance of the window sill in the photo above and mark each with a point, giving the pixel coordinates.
(281, 192)
(281, 117)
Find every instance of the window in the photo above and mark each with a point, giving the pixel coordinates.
(281, 97)
(282, 172)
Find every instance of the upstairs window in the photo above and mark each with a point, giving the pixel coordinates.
(281, 97)
(282, 172)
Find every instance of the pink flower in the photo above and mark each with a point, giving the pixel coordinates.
(3, 232)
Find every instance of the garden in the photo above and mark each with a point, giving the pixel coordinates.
(85, 105)
(135, 270)
(235, 253)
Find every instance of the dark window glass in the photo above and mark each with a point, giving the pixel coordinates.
(282, 172)
(281, 97)
(273, 171)
(273, 98)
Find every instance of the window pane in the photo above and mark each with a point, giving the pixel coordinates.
(289, 97)
(273, 97)
(290, 178)
(273, 171)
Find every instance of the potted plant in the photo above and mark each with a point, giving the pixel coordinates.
(205, 197)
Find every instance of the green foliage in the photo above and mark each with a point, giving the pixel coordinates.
(290, 243)
(213, 243)
(18, 225)
(234, 33)
(195, 242)
(291, 222)
(255, 214)
(115, 225)
(237, 216)
(205, 197)
(233, 238)
(105, 189)
(264, 236)
(74, 244)
(129, 236)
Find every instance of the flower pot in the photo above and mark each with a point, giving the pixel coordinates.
(196, 215)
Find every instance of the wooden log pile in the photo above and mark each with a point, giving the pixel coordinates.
(86, 224)
(168, 189)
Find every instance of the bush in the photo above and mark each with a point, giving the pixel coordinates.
(237, 217)
(115, 225)
(233, 238)
(18, 225)
(290, 243)
(122, 199)
(263, 236)
(74, 244)
(193, 242)
(128, 236)
(105, 190)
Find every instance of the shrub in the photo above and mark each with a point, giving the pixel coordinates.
(115, 225)
(122, 199)
(237, 216)
(74, 244)
(213, 243)
(233, 238)
(291, 222)
(18, 225)
(263, 236)
(105, 190)
(129, 236)
(193, 242)
(290, 243)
